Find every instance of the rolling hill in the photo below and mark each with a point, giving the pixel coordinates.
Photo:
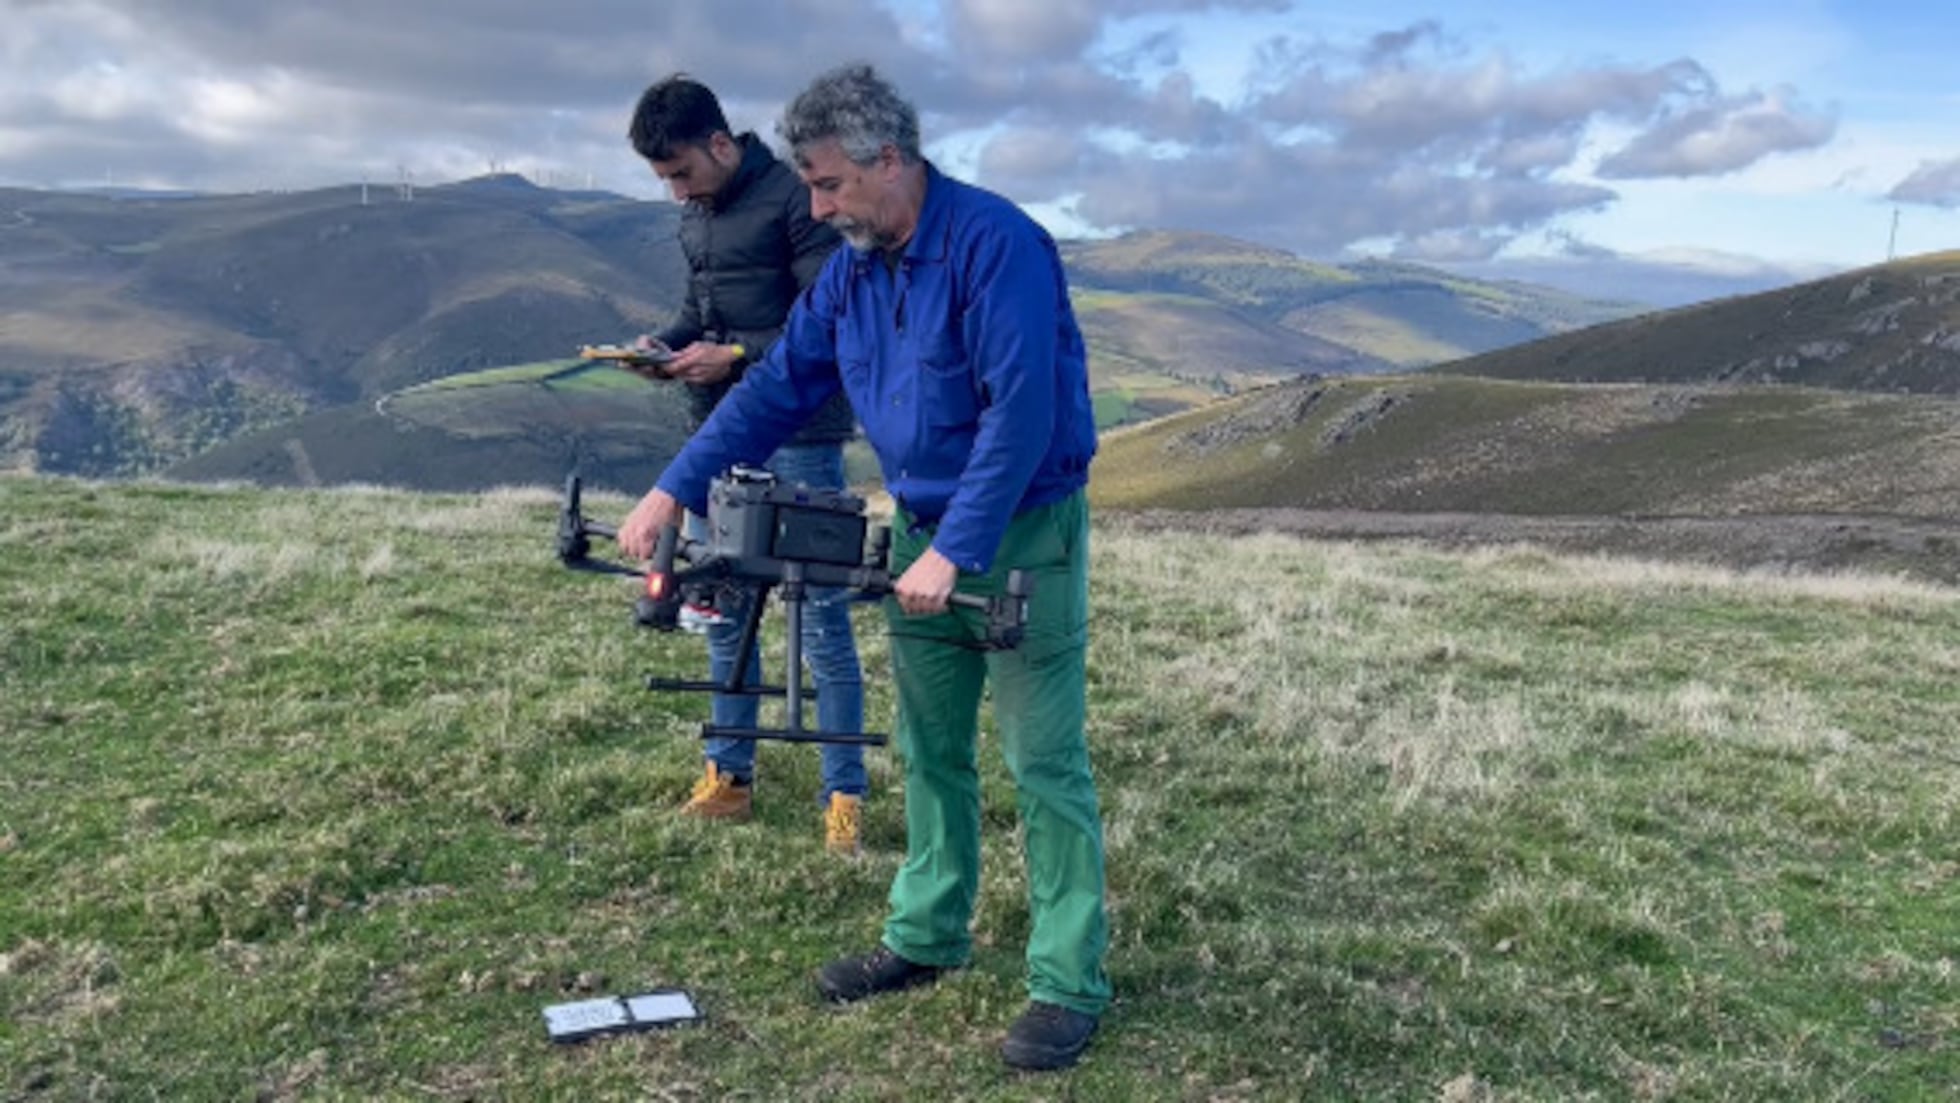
(1449, 443)
(524, 424)
(1768, 428)
(1367, 316)
(137, 332)
(134, 333)
(1893, 327)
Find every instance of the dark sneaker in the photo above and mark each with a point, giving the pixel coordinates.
(881, 970)
(1047, 1036)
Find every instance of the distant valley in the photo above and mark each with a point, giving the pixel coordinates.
(219, 337)
(315, 339)
(135, 333)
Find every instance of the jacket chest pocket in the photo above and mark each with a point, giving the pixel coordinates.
(854, 369)
(948, 394)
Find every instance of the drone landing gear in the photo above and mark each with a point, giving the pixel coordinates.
(762, 537)
(794, 595)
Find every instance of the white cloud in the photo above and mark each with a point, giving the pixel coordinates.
(1934, 183)
(1115, 113)
(1660, 277)
(1407, 136)
(1446, 246)
(1030, 153)
(102, 92)
(230, 111)
(1721, 136)
(1039, 28)
(1057, 29)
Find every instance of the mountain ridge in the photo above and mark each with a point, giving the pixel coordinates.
(136, 332)
(1888, 327)
(1434, 442)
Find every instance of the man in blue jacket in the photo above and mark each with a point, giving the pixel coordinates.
(947, 324)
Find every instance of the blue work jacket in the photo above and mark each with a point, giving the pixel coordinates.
(963, 363)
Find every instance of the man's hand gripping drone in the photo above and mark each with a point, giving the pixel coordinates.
(765, 536)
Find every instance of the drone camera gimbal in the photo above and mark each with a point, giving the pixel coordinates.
(764, 535)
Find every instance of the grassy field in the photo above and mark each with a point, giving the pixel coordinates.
(565, 396)
(324, 795)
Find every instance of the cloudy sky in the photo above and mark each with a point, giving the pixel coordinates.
(1661, 150)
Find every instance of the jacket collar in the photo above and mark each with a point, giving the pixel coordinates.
(934, 229)
(756, 160)
(932, 234)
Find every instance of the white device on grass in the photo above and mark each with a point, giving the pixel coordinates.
(583, 1019)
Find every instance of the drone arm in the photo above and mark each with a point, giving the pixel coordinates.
(575, 533)
(1006, 612)
(665, 548)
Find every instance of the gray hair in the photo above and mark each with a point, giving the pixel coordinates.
(858, 108)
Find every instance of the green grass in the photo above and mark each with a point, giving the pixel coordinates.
(1095, 299)
(1113, 407)
(558, 374)
(325, 795)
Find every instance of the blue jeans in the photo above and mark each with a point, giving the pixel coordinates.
(828, 648)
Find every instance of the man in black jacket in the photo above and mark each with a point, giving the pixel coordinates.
(751, 248)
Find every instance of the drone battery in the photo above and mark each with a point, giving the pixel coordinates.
(583, 1019)
(818, 536)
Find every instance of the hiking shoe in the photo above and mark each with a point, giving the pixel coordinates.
(881, 970)
(842, 823)
(718, 796)
(1047, 1036)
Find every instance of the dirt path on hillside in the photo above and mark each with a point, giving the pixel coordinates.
(1924, 548)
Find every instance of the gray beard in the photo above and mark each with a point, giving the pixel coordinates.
(859, 236)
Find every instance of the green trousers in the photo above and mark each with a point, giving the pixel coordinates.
(1039, 704)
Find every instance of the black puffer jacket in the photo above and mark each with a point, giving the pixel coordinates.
(749, 254)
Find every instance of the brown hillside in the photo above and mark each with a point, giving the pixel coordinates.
(1436, 443)
(1894, 327)
(1374, 313)
(135, 332)
(1202, 339)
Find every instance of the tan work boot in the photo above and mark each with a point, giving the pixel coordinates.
(842, 822)
(717, 797)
